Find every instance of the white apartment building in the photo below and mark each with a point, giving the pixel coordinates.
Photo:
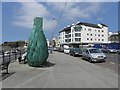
(83, 33)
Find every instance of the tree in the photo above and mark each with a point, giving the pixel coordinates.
(37, 50)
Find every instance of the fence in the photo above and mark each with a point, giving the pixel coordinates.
(12, 56)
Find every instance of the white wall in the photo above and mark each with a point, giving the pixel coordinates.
(84, 35)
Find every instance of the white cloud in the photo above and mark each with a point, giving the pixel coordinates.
(60, 0)
(75, 10)
(24, 16)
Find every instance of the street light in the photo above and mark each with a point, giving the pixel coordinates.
(52, 32)
(52, 28)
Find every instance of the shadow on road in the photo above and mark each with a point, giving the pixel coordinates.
(48, 64)
(5, 75)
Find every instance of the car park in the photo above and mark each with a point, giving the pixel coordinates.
(93, 55)
(75, 52)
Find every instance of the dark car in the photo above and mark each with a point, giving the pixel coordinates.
(109, 50)
(60, 49)
(118, 51)
(75, 51)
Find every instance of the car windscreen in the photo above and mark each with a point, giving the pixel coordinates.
(77, 49)
(94, 51)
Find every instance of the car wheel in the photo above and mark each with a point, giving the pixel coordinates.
(83, 58)
(74, 55)
(104, 61)
(90, 60)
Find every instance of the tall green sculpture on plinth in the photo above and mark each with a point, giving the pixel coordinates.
(37, 50)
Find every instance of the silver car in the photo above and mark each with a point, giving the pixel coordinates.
(93, 55)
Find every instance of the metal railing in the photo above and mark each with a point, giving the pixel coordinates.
(10, 56)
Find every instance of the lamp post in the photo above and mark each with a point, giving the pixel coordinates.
(53, 28)
(52, 33)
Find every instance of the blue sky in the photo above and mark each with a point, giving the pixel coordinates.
(17, 17)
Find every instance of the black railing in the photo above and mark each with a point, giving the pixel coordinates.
(10, 56)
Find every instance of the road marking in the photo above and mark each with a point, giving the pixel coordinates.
(112, 63)
(110, 70)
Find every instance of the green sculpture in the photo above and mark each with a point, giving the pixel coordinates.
(37, 50)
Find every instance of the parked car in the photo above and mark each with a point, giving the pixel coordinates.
(66, 50)
(109, 50)
(75, 52)
(55, 49)
(23, 57)
(118, 51)
(60, 49)
(112, 51)
(104, 50)
(93, 55)
(14, 51)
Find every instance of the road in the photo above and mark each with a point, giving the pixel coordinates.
(66, 72)
(111, 62)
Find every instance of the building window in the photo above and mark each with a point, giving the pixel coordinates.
(102, 39)
(102, 30)
(69, 40)
(102, 35)
(69, 35)
(91, 34)
(99, 35)
(95, 34)
(95, 39)
(89, 29)
(91, 39)
(77, 34)
(98, 39)
(87, 33)
(87, 38)
(77, 39)
(98, 30)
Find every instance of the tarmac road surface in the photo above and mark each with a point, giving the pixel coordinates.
(67, 72)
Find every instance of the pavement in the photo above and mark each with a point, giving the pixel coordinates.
(65, 72)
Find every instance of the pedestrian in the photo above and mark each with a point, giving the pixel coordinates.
(51, 50)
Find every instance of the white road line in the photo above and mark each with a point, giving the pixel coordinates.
(112, 63)
(110, 70)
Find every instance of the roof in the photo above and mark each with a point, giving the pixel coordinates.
(103, 25)
(88, 24)
(84, 23)
(66, 29)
